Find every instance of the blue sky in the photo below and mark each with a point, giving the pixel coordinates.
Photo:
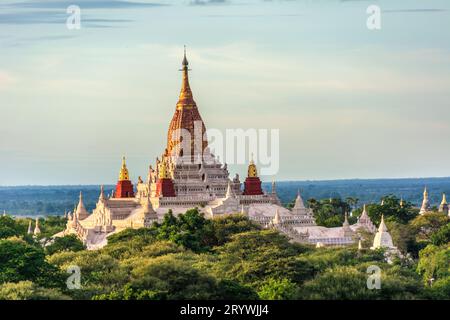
(349, 102)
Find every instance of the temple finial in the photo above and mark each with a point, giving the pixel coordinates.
(124, 175)
(102, 193)
(186, 98)
(185, 62)
(252, 171)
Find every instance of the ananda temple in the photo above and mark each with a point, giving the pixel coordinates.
(188, 175)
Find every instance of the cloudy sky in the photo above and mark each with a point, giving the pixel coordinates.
(349, 102)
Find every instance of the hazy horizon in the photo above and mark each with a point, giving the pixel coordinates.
(350, 103)
(263, 181)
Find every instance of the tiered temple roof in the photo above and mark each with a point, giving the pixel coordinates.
(186, 119)
(81, 211)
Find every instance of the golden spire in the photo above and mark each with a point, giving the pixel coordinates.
(186, 99)
(444, 199)
(162, 170)
(252, 171)
(102, 193)
(425, 193)
(124, 171)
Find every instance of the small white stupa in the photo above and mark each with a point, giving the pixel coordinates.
(30, 228)
(299, 206)
(37, 230)
(360, 246)
(382, 238)
(346, 230)
(444, 208)
(148, 213)
(276, 219)
(426, 207)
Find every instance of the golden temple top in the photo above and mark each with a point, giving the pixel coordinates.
(186, 99)
(252, 171)
(124, 171)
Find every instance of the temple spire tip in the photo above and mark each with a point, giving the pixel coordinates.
(185, 62)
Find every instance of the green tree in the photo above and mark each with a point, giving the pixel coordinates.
(51, 225)
(225, 227)
(251, 257)
(434, 263)
(330, 212)
(20, 261)
(172, 277)
(190, 230)
(442, 236)
(424, 226)
(277, 289)
(10, 228)
(350, 283)
(404, 238)
(27, 290)
(440, 290)
(66, 243)
(232, 290)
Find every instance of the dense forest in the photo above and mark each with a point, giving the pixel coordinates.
(190, 257)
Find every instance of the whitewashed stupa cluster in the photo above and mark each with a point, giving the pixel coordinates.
(36, 231)
(426, 204)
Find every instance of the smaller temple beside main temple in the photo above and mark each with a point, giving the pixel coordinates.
(252, 184)
(320, 236)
